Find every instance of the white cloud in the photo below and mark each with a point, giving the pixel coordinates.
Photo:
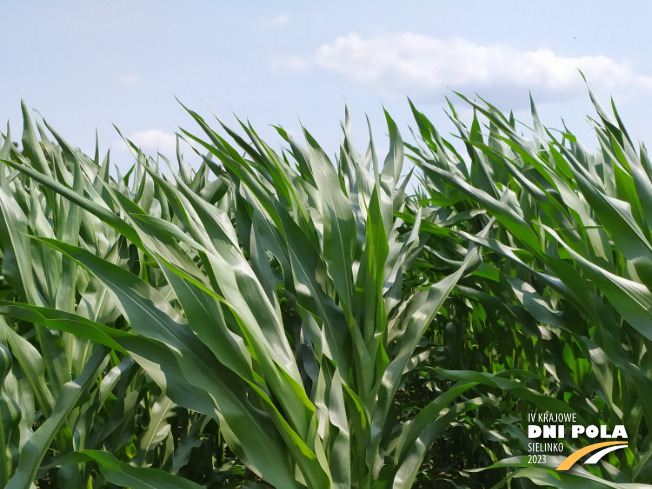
(129, 80)
(279, 20)
(155, 141)
(426, 68)
(292, 63)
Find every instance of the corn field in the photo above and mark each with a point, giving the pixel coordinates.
(280, 318)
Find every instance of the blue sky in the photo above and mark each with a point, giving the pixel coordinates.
(88, 65)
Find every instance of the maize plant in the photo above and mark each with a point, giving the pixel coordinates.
(271, 300)
(564, 289)
(328, 329)
(61, 393)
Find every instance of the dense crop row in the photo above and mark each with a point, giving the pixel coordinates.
(280, 318)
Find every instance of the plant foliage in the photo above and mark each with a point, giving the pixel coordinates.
(282, 318)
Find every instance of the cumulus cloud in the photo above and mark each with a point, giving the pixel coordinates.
(155, 141)
(292, 63)
(427, 67)
(129, 80)
(278, 20)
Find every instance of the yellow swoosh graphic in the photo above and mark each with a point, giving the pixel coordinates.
(574, 457)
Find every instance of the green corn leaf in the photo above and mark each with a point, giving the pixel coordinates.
(126, 475)
(34, 450)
